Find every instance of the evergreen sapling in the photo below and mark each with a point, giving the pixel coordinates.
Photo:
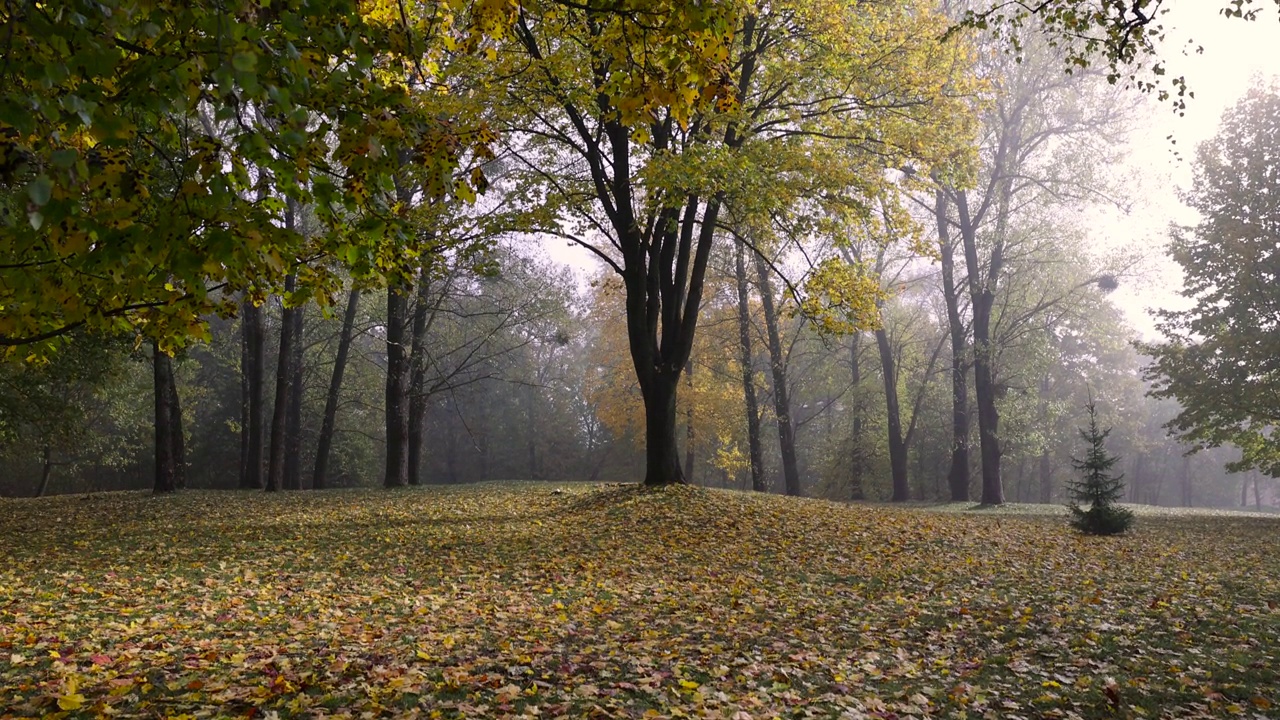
(1096, 487)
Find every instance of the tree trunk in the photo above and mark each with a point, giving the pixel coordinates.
(418, 379)
(255, 354)
(320, 477)
(662, 457)
(897, 447)
(397, 391)
(781, 401)
(177, 437)
(284, 383)
(46, 470)
(1046, 476)
(293, 421)
(162, 369)
(688, 421)
(985, 393)
(858, 452)
(746, 359)
(958, 475)
(1257, 492)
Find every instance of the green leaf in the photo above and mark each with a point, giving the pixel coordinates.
(244, 61)
(40, 190)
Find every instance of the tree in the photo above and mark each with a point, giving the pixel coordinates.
(324, 445)
(134, 137)
(1096, 486)
(803, 93)
(1027, 168)
(1221, 356)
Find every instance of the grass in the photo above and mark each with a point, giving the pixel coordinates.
(517, 600)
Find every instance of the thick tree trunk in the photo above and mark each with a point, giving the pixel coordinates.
(1257, 491)
(162, 369)
(418, 379)
(253, 423)
(662, 457)
(293, 421)
(897, 446)
(958, 475)
(280, 411)
(747, 360)
(781, 399)
(397, 392)
(319, 478)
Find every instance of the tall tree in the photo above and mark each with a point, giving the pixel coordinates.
(418, 397)
(778, 373)
(253, 364)
(795, 81)
(320, 474)
(285, 384)
(746, 360)
(166, 462)
(397, 389)
(1221, 357)
(958, 332)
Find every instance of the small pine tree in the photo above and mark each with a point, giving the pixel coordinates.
(1097, 487)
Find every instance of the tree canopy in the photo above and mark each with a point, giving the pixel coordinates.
(1222, 356)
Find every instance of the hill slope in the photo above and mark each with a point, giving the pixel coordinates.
(512, 601)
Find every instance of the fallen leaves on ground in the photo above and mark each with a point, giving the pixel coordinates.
(522, 600)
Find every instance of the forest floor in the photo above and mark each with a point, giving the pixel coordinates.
(535, 600)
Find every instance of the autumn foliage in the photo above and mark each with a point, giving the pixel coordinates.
(596, 601)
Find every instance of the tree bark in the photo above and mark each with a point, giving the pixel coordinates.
(958, 475)
(781, 399)
(162, 369)
(319, 478)
(280, 411)
(293, 421)
(897, 446)
(397, 391)
(255, 355)
(747, 360)
(662, 457)
(418, 379)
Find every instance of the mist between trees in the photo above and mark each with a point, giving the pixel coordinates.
(816, 268)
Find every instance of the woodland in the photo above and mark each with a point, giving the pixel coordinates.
(236, 264)
(637, 358)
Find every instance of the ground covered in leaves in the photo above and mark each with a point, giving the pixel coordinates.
(611, 602)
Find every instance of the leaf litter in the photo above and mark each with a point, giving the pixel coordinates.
(533, 600)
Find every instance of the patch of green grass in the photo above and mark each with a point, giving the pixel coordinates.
(537, 600)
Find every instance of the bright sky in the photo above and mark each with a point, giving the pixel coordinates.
(1235, 52)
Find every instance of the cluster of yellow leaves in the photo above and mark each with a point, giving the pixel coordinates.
(532, 600)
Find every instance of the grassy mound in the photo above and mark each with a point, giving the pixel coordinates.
(519, 601)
